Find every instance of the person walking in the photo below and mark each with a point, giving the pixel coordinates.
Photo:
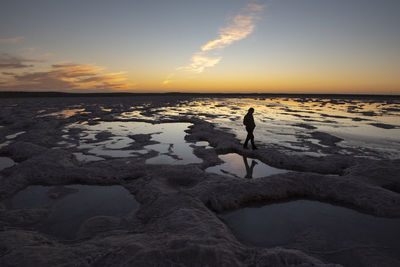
(248, 121)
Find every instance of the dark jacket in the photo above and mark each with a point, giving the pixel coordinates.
(248, 121)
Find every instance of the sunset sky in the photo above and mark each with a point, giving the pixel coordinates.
(278, 46)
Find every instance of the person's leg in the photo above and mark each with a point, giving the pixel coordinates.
(247, 140)
(252, 140)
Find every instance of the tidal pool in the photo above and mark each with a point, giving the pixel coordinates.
(357, 122)
(4, 144)
(204, 144)
(6, 162)
(86, 158)
(334, 233)
(66, 113)
(172, 147)
(117, 139)
(243, 167)
(13, 136)
(70, 206)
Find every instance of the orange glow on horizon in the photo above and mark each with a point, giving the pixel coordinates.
(255, 84)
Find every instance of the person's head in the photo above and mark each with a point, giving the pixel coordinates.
(251, 110)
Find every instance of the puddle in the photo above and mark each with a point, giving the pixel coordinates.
(86, 158)
(275, 119)
(310, 154)
(4, 144)
(6, 162)
(316, 226)
(66, 113)
(164, 159)
(204, 144)
(172, 146)
(243, 167)
(72, 205)
(119, 141)
(106, 109)
(12, 136)
(136, 114)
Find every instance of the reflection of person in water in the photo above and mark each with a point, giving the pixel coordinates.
(249, 169)
(248, 121)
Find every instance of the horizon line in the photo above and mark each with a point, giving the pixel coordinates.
(122, 93)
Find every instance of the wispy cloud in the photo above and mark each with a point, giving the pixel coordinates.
(75, 70)
(11, 40)
(200, 61)
(67, 77)
(12, 62)
(238, 28)
(241, 26)
(168, 80)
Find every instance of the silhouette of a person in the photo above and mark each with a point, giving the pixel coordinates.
(249, 169)
(248, 121)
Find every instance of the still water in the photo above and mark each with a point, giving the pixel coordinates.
(316, 226)
(70, 206)
(239, 166)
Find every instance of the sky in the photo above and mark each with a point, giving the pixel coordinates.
(264, 46)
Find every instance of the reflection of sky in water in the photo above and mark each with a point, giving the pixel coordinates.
(73, 205)
(86, 158)
(171, 144)
(204, 144)
(6, 162)
(275, 117)
(282, 224)
(243, 167)
(13, 136)
(171, 138)
(66, 113)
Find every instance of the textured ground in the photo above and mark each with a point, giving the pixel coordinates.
(176, 224)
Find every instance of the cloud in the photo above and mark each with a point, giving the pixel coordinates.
(168, 80)
(75, 70)
(242, 26)
(200, 61)
(67, 77)
(11, 40)
(106, 78)
(239, 28)
(8, 73)
(12, 62)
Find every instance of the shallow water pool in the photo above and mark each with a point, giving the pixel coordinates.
(289, 123)
(334, 233)
(118, 141)
(6, 162)
(70, 206)
(243, 167)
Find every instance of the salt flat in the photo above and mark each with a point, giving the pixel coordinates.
(160, 149)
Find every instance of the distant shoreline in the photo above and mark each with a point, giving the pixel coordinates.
(11, 94)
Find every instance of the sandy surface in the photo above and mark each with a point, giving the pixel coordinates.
(326, 146)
